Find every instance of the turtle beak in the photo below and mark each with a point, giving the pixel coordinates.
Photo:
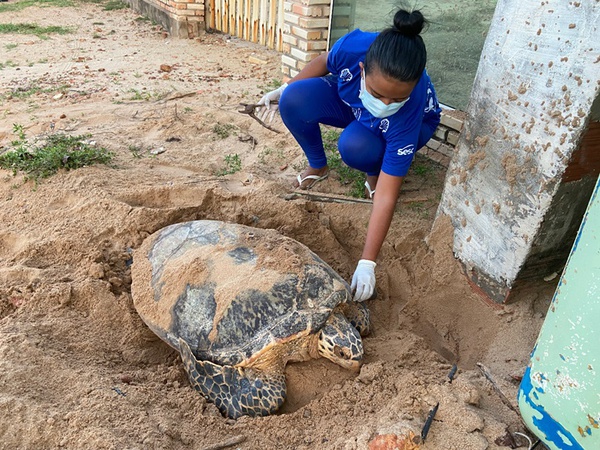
(350, 364)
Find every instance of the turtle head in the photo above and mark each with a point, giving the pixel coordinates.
(341, 343)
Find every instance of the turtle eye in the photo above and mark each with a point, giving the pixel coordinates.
(341, 352)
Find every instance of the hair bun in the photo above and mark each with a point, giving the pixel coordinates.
(409, 23)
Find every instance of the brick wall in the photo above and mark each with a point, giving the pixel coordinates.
(181, 18)
(305, 33)
(441, 146)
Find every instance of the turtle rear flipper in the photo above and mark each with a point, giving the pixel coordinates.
(235, 391)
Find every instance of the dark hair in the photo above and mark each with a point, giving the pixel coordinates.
(399, 51)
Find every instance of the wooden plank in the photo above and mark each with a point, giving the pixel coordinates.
(280, 10)
(219, 15)
(263, 21)
(239, 16)
(225, 16)
(232, 13)
(272, 23)
(211, 17)
(247, 20)
(254, 20)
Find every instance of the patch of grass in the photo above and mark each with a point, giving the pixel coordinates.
(233, 164)
(113, 5)
(223, 130)
(32, 28)
(354, 179)
(45, 158)
(19, 6)
(454, 43)
(11, 46)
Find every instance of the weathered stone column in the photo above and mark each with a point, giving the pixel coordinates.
(527, 159)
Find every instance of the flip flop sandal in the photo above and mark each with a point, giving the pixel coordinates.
(315, 178)
(369, 190)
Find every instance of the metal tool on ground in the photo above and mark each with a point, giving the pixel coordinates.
(250, 109)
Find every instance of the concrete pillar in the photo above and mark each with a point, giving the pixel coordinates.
(529, 154)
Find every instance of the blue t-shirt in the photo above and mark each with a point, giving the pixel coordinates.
(400, 130)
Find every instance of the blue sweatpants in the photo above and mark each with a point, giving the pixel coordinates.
(307, 103)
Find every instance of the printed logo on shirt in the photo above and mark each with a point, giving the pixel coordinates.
(346, 75)
(357, 113)
(384, 125)
(432, 102)
(407, 150)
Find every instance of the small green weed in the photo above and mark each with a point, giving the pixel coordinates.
(271, 85)
(233, 164)
(22, 93)
(136, 151)
(223, 130)
(8, 63)
(55, 152)
(355, 179)
(139, 95)
(421, 170)
(11, 46)
(270, 153)
(32, 28)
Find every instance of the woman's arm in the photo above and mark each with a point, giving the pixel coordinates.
(384, 203)
(315, 68)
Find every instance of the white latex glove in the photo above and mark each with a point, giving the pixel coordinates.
(267, 113)
(363, 280)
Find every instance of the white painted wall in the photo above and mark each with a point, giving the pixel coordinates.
(531, 100)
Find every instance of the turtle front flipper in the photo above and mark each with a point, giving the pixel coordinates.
(235, 391)
(358, 315)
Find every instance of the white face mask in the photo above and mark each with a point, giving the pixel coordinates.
(375, 106)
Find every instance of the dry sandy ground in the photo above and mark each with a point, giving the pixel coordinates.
(79, 369)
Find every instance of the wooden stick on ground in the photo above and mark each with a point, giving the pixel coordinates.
(332, 198)
(486, 373)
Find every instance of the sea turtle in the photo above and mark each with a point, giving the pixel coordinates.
(238, 303)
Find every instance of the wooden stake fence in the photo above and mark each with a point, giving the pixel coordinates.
(259, 21)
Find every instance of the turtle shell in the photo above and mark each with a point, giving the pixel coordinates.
(230, 291)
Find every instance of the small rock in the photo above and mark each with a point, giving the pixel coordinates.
(96, 271)
(166, 68)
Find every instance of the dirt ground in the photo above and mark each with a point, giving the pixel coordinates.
(79, 369)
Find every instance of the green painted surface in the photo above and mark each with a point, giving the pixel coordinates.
(559, 397)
